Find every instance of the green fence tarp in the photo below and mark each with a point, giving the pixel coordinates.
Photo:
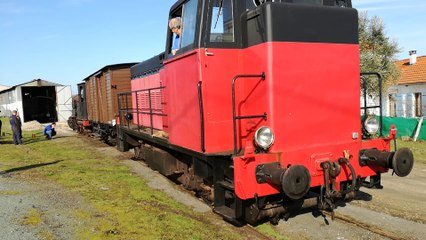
(405, 127)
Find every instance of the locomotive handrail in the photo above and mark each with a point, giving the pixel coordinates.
(201, 106)
(150, 111)
(365, 107)
(234, 114)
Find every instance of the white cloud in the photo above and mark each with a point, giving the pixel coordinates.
(373, 1)
(14, 8)
(7, 24)
(75, 2)
(377, 5)
(392, 7)
(48, 37)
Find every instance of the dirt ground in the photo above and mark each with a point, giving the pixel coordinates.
(396, 212)
(37, 210)
(34, 210)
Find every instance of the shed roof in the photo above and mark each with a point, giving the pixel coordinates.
(33, 83)
(3, 87)
(415, 73)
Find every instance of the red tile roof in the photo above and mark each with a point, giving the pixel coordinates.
(412, 73)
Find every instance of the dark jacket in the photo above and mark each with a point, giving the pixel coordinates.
(15, 123)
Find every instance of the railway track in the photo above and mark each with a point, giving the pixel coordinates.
(374, 229)
(351, 222)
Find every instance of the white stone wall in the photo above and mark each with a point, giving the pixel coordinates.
(405, 99)
(11, 100)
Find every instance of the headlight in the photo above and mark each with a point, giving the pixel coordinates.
(264, 137)
(371, 125)
(128, 116)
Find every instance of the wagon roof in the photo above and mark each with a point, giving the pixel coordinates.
(118, 65)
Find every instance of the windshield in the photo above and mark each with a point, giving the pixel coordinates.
(222, 22)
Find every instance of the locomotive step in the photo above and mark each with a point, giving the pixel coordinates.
(226, 185)
(228, 215)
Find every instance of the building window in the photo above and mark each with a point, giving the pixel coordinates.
(392, 105)
(418, 104)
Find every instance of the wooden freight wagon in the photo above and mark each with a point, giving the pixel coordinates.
(101, 97)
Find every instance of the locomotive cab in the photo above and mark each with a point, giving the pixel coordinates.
(259, 108)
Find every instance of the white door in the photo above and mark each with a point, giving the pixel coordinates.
(64, 101)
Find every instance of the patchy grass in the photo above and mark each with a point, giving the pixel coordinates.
(269, 230)
(32, 218)
(418, 148)
(46, 235)
(10, 193)
(122, 206)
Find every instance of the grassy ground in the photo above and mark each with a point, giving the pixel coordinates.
(418, 148)
(124, 207)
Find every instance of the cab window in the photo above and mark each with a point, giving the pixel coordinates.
(189, 22)
(222, 22)
(310, 2)
(182, 28)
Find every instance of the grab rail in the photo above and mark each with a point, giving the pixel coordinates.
(234, 114)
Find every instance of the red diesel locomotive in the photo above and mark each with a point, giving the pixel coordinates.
(259, 110)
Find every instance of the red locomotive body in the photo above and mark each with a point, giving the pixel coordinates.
(259, 109)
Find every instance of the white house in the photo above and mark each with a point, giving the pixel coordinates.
(39, 100)
(408, 97)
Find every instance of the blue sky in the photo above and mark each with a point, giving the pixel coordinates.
(64, 41)
(404, 21)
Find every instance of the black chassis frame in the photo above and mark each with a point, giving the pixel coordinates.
(105, 130)
(217, 167)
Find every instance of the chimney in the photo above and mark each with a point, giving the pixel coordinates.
(413, 57)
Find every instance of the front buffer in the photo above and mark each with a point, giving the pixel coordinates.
(272, 190)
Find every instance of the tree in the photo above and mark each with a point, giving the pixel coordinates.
(377, 51)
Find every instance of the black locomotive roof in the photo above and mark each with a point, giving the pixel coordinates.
(176, 5)
(147, 67)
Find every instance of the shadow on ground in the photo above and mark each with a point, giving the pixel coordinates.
(18, 169)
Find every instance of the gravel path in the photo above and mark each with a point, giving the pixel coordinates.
(36, 210)
(397, 212)
(397, 209)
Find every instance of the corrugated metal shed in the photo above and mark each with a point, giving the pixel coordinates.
(39, 100)
(3, 87)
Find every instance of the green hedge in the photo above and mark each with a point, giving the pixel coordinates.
(404, 126)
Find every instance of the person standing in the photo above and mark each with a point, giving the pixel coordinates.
(1, 123)
(15, 124)
(20, 124)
